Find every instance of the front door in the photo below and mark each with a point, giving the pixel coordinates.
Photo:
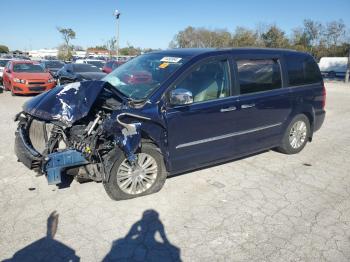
(198, 133)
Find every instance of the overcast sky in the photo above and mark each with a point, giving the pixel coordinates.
(31, 24)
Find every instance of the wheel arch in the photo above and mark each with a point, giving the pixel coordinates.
(309, 112)
(156, 134)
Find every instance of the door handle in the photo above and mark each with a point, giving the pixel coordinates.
(245, 106)
(231, 108)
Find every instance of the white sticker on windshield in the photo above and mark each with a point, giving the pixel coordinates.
(170, 59)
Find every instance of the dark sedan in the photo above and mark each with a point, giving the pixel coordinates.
(78, 72)
(52, 66)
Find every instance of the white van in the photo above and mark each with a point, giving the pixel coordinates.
(333, 66)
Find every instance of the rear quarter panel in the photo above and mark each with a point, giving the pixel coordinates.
(307, 100)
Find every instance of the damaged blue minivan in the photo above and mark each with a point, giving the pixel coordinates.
(169, 112)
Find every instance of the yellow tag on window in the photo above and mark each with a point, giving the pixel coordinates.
(163, 65)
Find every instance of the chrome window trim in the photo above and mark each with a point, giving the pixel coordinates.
(215, 138)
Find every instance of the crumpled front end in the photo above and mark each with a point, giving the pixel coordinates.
(73, 129)
(52, 150)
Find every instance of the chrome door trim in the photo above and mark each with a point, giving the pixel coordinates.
(228, 109)
(215, 138)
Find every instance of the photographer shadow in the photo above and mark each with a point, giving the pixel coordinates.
(145, 241)
(46, 248)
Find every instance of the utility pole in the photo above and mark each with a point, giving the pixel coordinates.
(117, 15)
(348, 69)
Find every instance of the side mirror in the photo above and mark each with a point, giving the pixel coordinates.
(181, 96)
(8, 71)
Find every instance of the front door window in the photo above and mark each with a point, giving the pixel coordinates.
(208, 81)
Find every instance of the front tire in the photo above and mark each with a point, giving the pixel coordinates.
(296, 135)
(12, 93)
(147, 177)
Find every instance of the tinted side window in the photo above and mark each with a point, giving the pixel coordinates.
(208, 81)
(302, 71)
(257, 75)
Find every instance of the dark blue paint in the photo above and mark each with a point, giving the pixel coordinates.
(48, 106)
(172, 126)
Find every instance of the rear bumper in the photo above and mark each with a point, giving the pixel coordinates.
(25, 152)
(319, 119)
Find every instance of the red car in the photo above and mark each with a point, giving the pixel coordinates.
(26, 77)
(111, 65)
(138, 77)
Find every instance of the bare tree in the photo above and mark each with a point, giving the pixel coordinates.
(67, 34)
(313, 31)
(111, 45)
(335, 31)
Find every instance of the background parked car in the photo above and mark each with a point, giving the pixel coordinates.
(78, 72)
(95, 62)
(26, 77)
(3, 62)
(52, 66)
(111, 65)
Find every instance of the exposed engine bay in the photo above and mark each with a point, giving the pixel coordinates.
(77, 139)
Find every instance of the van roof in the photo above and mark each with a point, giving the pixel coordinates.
(200, 51)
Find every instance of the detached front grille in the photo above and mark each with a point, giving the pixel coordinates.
(39, 133)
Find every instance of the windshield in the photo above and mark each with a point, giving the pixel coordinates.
(140, 76)
(28, 68)
(3, 63)
(54, 64)
(96, 63)
(81, 68)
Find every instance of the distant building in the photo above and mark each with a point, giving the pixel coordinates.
(81, 54)
(43, 53)
(97, 52)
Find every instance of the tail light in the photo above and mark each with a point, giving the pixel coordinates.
(324, 95)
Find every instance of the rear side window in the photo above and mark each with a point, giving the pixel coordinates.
(302, 71)
(257, 75)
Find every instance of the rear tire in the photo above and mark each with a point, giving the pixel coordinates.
(296, 135)
(114, 185)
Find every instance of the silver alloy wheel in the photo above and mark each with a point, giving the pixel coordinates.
(297, 134)
(136, 180)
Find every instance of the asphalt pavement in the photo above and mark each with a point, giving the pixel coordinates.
(267, 207)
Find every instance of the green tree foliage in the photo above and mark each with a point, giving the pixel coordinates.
(330, 39)
(200, 38)
(275, 38)
(244, 37)
(4, 49)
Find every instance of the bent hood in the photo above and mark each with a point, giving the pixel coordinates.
(67, 103)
